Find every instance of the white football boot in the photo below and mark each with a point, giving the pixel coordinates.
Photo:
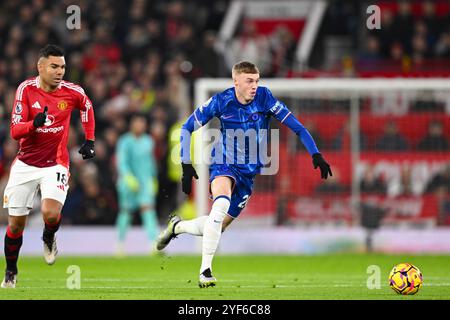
(10, 280)
(50, 251)
(206, 279)
(168, 234)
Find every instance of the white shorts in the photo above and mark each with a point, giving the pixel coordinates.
(25, 181)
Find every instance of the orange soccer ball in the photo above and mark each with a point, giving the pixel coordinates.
(405, 279)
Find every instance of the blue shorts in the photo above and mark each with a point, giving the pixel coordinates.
(241, 190)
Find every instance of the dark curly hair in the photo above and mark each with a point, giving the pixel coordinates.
(51, 50)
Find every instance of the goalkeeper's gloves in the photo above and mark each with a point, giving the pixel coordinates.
(186, 179)
(40, 118)
(319, 161)
(87, 150)
(131, 182)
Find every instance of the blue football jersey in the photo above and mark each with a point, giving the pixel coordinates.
(243, 128)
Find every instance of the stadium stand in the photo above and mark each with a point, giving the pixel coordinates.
(146, 55)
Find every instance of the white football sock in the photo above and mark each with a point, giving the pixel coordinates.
(194, 226)
(213, 230)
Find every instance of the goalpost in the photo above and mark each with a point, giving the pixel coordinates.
(362, 102)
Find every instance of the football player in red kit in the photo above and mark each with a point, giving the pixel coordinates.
(40, 120)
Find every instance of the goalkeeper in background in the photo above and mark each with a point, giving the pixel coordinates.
(136, 183)
(244, 108)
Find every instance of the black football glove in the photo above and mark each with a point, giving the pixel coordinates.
(40, 118)
(87, 150)
(319, 161)
(186, 180)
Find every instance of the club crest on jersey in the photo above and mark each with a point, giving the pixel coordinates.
(62, 105)
(254, 117)
(18, 108)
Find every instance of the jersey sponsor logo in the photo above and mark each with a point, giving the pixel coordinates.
(18, 109)
(5, 199)
(49, 121)
(61, 187)
(36, 105)
(62, 105)
(227, 116)
(50, 130)
(16, 118)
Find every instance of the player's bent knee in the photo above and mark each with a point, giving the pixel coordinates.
(51, 216)
(51, 210)
(221, 186)
(16, 224)
(220, 208)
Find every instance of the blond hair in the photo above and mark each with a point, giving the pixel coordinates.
(244, 67)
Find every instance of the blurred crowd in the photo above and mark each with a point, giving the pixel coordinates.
(391, 139)
(403, 34)
(129, 56)
(144, 56)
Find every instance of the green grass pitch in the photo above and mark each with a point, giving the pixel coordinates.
(323, 277)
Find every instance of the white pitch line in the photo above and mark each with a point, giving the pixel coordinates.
(178, 288)
(187, 285)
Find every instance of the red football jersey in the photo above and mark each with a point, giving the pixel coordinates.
(46, 146)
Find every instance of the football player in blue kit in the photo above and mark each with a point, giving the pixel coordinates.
(245, 107)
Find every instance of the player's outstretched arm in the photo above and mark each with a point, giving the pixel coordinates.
(279, 110)
(288, 119)
(197, 119)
